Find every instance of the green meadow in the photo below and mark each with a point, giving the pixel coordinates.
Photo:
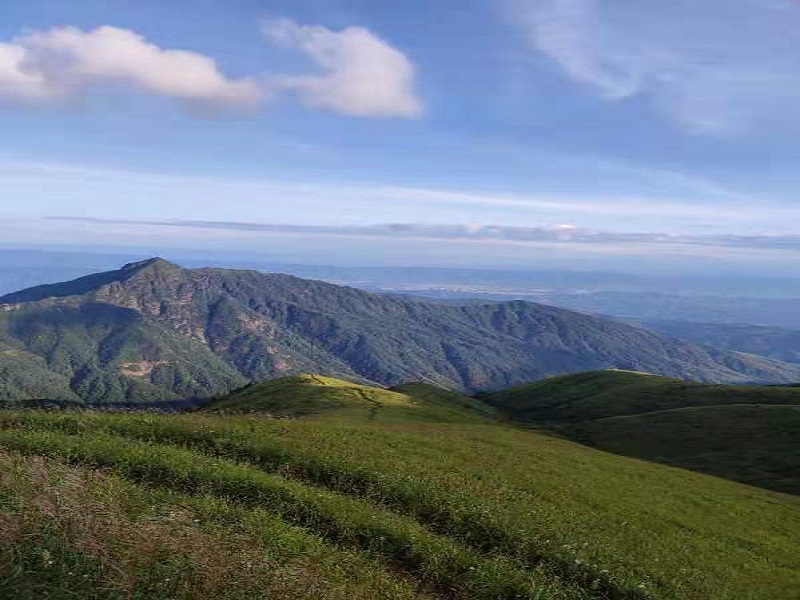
(406, 493)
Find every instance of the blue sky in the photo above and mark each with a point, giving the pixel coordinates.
(495, 132)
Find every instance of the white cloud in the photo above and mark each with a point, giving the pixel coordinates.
(567, 31)
(557, 234)
(52, 188)
(18, 82)
(720, 66)
(63, 63)
(362, 75)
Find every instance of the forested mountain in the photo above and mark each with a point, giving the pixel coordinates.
(772, 342)
(153, 330)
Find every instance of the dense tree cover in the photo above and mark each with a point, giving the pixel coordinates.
(155, 331)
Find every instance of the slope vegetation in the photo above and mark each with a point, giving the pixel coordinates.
(155, 331)
(597, 394)
(314, 396)
(71, 531)
(757, 444)
(749, 434)
(242, 506)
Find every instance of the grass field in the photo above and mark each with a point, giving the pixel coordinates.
(599, 394)
(217, 505)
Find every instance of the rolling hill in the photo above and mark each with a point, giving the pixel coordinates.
(335, 505)
(598, 394)
(749, 434)
(314, 396)
(155, 331)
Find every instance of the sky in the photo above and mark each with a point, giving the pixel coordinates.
(497, 132)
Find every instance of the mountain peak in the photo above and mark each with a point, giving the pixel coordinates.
(152, 267)
(156, 263)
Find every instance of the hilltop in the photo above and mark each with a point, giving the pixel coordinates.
(318, 397)
(155, 331)
(597, 394)
(744, 433)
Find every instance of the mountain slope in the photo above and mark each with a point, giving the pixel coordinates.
(434, 395)
(26, 375)
(599, 394)
(749, 434)
(153, 330)
(757, 444)
(101, 352)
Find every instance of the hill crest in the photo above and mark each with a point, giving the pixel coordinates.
(617, 393)
(319, 397)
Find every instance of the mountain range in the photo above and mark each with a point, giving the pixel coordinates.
(153, 330)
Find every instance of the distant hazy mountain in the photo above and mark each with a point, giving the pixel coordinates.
(153, 330)
(779, 312)
(772, 342)
(773, 312)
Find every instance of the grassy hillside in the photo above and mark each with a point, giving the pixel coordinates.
(202, 505)
(598, 394)
(755, 444)
(744, 433)
(71, 531)
(435, 395)
(329, 398)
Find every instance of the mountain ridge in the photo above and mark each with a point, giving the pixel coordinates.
(153, 325)
(87, 283)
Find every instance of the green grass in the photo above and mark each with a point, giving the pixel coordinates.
(434, 395)
(749, 434)
(435, 560)
(755, 444)
(334, 399)
(74, 532)
(598, 394)
(466, 510)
